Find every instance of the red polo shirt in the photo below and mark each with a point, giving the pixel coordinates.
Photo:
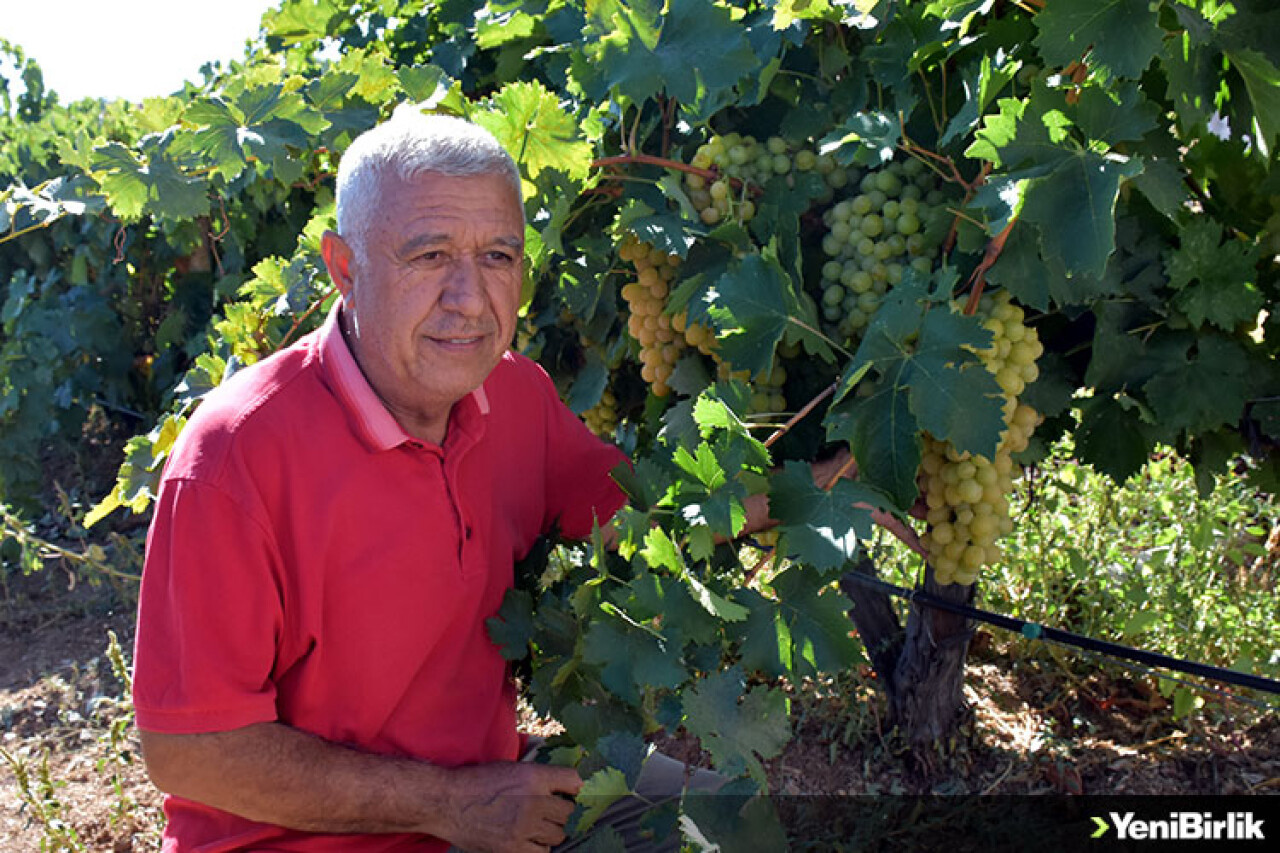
(309, 562)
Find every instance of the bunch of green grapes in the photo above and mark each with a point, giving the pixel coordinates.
(602, 418)
(742, 162)
(650, 324)
(967, 494)
(872, 237)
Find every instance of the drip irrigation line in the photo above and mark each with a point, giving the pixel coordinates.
(1192, 685)
(1034, 631)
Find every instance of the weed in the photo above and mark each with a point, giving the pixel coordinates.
(38, 793)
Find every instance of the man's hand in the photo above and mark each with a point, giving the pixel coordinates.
(510, 808)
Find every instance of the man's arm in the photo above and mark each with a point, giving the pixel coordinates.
(273, 773)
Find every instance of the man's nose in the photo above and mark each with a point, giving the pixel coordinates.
(463, 288)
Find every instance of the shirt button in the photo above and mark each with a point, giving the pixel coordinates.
(466, 531)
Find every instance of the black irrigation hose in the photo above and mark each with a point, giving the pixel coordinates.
(1033, 631)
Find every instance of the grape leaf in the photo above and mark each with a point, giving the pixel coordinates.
(1162, 183)
(1053, 182)
(1203, 390)
(1262, 80)
(1112, 438)
(530, 123)
(1123, 359)
(1121, 36)
(424, 84)
(702, 465)
(1214, 280)
(820, 528)
(377, 78)
(753, 304)
(924, 351)
(982, 82)
(494, 29)
(738, 727)
(589, 384)
(328, 96)
(715, 604)
(692, 52)
(884, 438)
(601, 790)
(867, 139)
(150, 183)
(1193, 65)
(1041, 282)
(787, 12)
(1074, 205)
(665, 231)
(653, 595)
(1118, 113)
(786, 198)
(293, 23)
(764, 635)
(952, 395)
(818, 622)
(632, 659)
(260, 124)
(708, 495)
(512, 628)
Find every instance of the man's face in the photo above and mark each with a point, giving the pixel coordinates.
(431, 307)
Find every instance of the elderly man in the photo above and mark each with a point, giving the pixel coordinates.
(336, 523)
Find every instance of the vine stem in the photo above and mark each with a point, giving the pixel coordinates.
(302, 318)
(14, 235)
(989, 257)
(14, 529)
(800, 415)
(651, 160)
(899, 529)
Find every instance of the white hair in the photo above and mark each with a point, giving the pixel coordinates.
(406, 146)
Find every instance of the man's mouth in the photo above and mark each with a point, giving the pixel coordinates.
(456, 341)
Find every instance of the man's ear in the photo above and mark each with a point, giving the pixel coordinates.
(337, 256)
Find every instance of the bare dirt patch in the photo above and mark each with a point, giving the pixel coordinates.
(70, 776)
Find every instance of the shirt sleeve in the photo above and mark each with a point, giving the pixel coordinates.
(209, 615)
(579, 490)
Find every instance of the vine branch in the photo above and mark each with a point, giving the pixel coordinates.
(989, 257)
(651, 160)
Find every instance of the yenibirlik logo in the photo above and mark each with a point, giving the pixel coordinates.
(1183, 826)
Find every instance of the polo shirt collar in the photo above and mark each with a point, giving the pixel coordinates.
(372, 422)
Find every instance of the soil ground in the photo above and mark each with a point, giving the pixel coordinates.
(1034, 726)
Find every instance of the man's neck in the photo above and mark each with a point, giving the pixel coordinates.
(432, 430)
